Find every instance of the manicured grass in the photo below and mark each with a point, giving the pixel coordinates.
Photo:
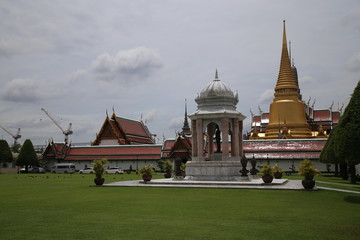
(65, 207)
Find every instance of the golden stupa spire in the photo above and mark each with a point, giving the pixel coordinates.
(287, 102)
(286, 80)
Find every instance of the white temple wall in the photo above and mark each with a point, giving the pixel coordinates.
(123, 164)
(106, 142)
(287, 165)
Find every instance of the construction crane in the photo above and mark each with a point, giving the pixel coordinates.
(16, 136)
(65, 132)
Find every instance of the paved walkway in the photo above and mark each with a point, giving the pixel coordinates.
(280, 184)
(336, 189)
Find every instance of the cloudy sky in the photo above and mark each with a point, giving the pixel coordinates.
(79, 59)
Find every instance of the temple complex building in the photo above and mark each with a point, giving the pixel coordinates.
(292, 130)
(214, 146)
(124, 142)
(289, 116)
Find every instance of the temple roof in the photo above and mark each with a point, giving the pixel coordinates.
(135, 129)
(123, 131)
(166, 147)
(322, 115)
(181, 147)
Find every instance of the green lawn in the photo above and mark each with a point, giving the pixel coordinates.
(65, 207)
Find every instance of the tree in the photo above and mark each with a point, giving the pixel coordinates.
(327, 155)
(5, 152)
(345, 140)
(27, 155)
(16, 147)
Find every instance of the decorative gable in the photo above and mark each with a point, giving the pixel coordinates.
(122, 131)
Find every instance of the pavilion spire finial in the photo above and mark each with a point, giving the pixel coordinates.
(216, 75)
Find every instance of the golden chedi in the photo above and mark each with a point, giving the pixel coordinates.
(287, 111)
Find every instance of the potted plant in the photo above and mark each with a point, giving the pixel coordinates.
(267, 173)
(99, 169)
(167, 167)
(308, 170)
(146, 172)
(277, 171)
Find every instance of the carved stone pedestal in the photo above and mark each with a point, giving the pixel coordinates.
(213, 170)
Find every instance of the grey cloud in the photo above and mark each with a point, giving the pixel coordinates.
(266, 96)
(353, 64)
(33, 123)
(21, 90)
(352, 19)
(29, 29)
(126, 66)
(306, 79)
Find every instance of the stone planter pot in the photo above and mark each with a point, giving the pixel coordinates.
(99, 181)
(147, 177)
(309, 176)
(308, 184)
(267, 178)
(277, 175)
(167, 175)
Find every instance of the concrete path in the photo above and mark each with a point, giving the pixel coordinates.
(280, 184)
(338, 190)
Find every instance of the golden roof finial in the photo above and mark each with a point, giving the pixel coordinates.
(284, 34)
(286, 78)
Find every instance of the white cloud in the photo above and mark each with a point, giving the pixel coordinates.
(125, 67)
(176, 123)
(22, 90)
(150, 115)
(353, 64)
(266, 96)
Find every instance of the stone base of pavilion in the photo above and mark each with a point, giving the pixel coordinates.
(214, 171)
(253, 183)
